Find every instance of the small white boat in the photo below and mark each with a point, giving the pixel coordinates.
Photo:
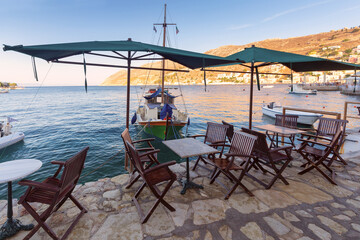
(304, 117)
(4, 90)
(268, 86)
(7, 137)
(296, 89)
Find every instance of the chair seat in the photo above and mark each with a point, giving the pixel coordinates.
(275, 156)
(222, 163)
(43, 196)
(314, 151)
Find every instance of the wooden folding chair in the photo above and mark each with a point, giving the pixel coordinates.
(241, 147)
(215, 137)
(54, 192)
(289, 121)
(264, 156)
(319, 155)
(230, 130)
(325, 132)
(151, 176)
(147, 160)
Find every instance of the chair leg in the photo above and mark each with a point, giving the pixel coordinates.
(278, 174)
(197, 162)
(40, 220)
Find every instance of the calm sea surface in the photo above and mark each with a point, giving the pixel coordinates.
(59, 121)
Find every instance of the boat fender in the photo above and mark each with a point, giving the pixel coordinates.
(133, 120)
(188, 123)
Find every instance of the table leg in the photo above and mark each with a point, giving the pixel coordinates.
(277, 140)
(186, 183)
(12, 226)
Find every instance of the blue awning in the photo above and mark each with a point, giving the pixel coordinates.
(155, 94)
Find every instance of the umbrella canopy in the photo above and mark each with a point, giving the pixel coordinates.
(296, 62)
(54, 52)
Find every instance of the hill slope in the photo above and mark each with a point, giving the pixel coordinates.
(317, 44)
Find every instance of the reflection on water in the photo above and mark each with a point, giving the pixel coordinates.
(59, 121)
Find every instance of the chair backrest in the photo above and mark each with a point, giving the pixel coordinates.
(261, 147)
(242, 143)
(125, 135)
(72, 171)
(134, 157)
(287, 120)
(230, 130)
(215, 132)
(328, 127)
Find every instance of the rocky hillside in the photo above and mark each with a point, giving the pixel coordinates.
(322, 44)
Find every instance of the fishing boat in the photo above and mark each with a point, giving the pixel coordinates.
(305, 118)
(7, 137)
(268, 86)
(297, 89)
(159, 116)
(163, 120)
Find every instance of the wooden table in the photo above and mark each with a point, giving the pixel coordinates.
(185, 148)
(279, 130)
(10, 171)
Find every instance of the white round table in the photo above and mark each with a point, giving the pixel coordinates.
(10, 171)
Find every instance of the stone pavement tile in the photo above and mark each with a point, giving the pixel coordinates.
(290, 217)
(246, 204)
(275, 199)
(304, 192)
(120, 179)
(321, 209)
(342, 217)
(208, 211)
(225, 232)
(304, 213)
(113, 227)
(319, 232)
(337, 205)
(304, 238)
(254, 232)
(349, 213)
(354, 203)
(351, 185)
(208, 236)
(181, 213)
(87, 225)
(279, 228)
(159, 223)
(297, 232)
(325, 185)
(336, 227)
(356, 226)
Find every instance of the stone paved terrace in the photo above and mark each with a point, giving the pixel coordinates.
(308, 208)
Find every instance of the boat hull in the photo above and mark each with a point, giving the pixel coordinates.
(304, 117)
(303, 92)
(158, 129)
(11, 139)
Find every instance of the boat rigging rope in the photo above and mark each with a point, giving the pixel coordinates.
(111, 158)
(30, 104)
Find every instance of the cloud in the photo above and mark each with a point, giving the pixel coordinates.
(240, 26)
(294, 10)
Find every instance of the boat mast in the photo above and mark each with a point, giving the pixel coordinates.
(164, 24)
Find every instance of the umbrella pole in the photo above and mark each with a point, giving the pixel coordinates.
(251, 94)
(128, 105)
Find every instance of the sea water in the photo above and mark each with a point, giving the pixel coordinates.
(60, 121)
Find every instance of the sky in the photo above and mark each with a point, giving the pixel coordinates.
(202, 25)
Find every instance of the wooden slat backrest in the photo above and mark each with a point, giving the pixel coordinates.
(328, 127)
(230, 130)
(261, 146)
(215, 132)
(242, 143)
(125, 135)
(289, 121)
(72, 171)
(134, 158)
